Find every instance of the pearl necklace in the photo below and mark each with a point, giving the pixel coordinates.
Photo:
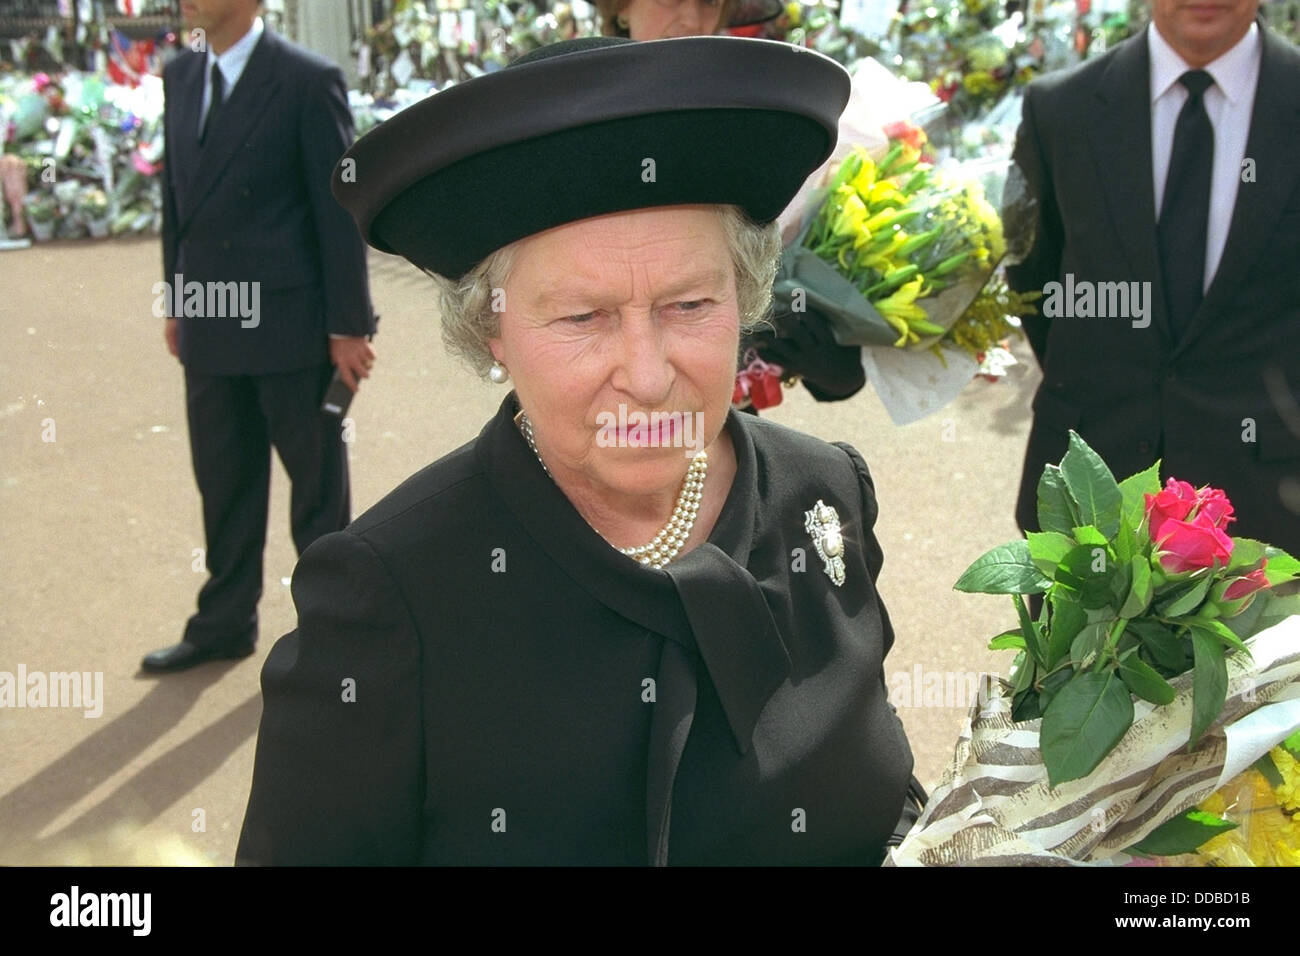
(672, 537)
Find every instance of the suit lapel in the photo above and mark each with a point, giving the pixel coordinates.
(1124, 163)
(1272, 144)
(183, 123)
(250, 98)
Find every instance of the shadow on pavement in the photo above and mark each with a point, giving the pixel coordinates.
(35, 803)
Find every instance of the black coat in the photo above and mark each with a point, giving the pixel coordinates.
(526, 695)
(254, 205)
(1136, 394)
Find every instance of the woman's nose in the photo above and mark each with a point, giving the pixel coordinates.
(645, 372)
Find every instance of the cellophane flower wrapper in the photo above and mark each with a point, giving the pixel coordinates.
(927, 374)
(994, 806)
(1267, 823)
(876, 99)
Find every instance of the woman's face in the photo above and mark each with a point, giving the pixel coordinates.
(610, 320)
(660, 19)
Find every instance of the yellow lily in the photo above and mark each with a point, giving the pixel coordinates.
(852, 213)
(900, 307)
(884, 192)
(865, 179)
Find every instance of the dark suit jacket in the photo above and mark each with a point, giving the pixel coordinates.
(1134, 393)
(254, 205)
(518, 693)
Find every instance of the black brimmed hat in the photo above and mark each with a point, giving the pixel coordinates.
(589, 127)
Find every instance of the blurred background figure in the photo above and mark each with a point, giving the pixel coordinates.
(1168, 164)
(254, 126)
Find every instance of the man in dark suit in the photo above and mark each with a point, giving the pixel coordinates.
(1167, 173)
(267, 294)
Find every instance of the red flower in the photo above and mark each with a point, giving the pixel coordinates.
(1248, 584)
(1175, 502)
(909, 133)
(1215, 503)
(1190, 545)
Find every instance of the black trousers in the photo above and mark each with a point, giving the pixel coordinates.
(234, 422)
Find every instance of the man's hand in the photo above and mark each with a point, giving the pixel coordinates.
(353, 356)
(171, 332)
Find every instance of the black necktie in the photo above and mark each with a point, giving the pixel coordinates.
(1185, 211)
(218, 91)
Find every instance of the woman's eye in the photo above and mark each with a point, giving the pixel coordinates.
(694, 305)
(581, 319)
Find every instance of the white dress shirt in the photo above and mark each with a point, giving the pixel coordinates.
(231, 64)
(1228, 102)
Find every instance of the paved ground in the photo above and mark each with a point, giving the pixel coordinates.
(100, 518)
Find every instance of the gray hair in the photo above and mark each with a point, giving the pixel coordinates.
(469, 321)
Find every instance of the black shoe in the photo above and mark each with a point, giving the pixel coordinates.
(184, 655)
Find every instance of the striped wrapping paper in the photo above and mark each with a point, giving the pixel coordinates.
(995, 808)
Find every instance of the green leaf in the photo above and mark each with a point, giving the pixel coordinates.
(1088, 643)
(1047, 548)
(1022, 688)
(1209, 683)
(1132, 490)
(1126, 543)
(1161, 644)
(1093, 486)
(1067, 620)
(1050, 686)
(1142, 679)
(1120, 583)
(1262, 613)
(1221, 631)
(1246, 553)
(1188, 600)
(1292, 745)
(1026, 706)
(1083, 723)
(1008, 640)
(1022, 670)
(1182, 834)
(1006, 569)
(1140, 590)
(1281, 566)
(1085, 575)
(1087, 534)
(1268, 769)
(1057, 511)
(1034, 642)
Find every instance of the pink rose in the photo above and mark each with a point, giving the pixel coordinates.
(1248, 584)
(1215, 503)
(1175, 502)
(1189, 545)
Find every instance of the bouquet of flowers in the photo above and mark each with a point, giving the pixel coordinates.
(1161, 666)
(902, 255)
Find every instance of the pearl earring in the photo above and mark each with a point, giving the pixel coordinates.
(622, 22)
(498, 374)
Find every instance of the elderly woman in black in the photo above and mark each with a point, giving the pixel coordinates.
(625, 625)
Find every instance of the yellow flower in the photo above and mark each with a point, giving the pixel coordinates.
(852, 212)
(1267, 836)
(865, 179)
(882, 260)
(1288, 795)
(884, 192)
(900, 307)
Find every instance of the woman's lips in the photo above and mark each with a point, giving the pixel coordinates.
(652, 433)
